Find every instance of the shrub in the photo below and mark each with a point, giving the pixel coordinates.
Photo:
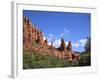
(34, 60)
(85, 59)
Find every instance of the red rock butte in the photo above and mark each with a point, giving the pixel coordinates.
(33, 42)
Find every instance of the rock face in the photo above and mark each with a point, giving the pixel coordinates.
(39, 37)
(46, 42)
(63, 45)
(33, 42)
(30, 33)
(27, 32)
(69, 47)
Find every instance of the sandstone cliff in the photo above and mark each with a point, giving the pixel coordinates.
(33, 42)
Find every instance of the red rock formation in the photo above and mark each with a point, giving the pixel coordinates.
(51, 46)
(63, 45)
(32, 35)
(69, 47)
(46, 42)
(75, 56)
(27, 39)
(40, 37)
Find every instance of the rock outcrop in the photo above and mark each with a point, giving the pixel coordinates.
(46, 42)
(30, 33)
(63, 45)
(39, 37)
(69, 47)
(33, 42)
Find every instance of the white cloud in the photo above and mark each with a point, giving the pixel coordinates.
(57, 43)
(82, 42)
(49, 42)
(44, 37)
(53, 38)
(50, 37)
(66, 43)
(62, 34)
(76, 44)
(57, 40)
(66, 31)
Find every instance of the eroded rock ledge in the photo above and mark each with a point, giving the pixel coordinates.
(33, 42)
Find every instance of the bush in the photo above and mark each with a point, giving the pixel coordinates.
(85, 59)
(34, 60)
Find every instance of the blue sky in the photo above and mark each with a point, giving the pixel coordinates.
(73, 27)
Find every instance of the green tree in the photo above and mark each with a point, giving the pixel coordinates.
(88, 45)
(85, 57)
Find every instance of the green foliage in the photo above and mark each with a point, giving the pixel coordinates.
(88, 45)
(34, 60)
(85, 59)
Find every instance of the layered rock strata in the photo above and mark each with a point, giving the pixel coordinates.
(33, 42)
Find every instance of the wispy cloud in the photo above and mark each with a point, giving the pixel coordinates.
(65, 32)
(51, 38)
(57, 43)
(62, 34)
(44, 37)
(75, 44)
(80, 43)
(56, 39)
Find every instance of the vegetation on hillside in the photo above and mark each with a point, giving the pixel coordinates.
(32, 60)
(85, 57)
